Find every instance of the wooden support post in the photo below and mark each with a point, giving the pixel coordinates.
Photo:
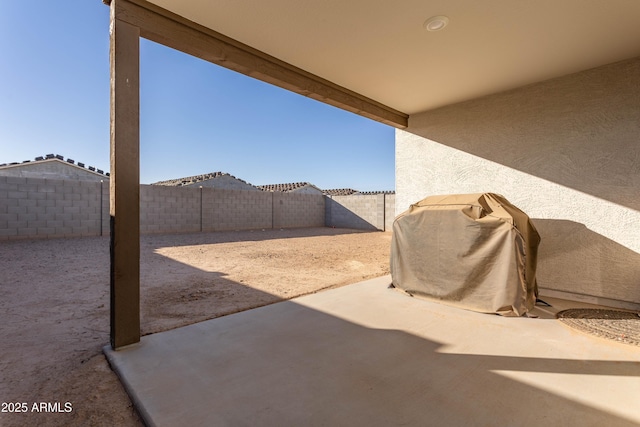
(124, 206)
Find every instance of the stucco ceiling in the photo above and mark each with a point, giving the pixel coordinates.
(380, 49)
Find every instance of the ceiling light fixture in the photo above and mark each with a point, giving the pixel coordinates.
(436, 23)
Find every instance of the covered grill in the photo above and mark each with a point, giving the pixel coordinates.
(474, 251)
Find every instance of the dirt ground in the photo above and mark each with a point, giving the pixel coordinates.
(54, 305)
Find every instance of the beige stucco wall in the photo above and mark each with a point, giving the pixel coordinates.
(226, 182)
(307, 190)
(566, 151)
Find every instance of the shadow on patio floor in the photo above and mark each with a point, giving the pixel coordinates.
(365, 355)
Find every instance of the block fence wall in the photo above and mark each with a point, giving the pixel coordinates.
(180, 210)
(368, 212)
(32, 207)
(45, 208)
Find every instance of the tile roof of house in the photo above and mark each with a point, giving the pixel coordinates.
(286, 187)
(368, 193)
(178, 182)
(340, 192)
(60, 158)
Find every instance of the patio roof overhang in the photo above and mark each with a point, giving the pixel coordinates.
(380, 51)
(167, 28)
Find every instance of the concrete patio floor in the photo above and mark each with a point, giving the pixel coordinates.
(366, 355)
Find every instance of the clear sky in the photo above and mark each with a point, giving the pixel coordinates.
(195, 117)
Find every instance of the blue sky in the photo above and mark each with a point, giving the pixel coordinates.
(195, 117)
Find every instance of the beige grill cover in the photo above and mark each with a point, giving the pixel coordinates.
(474, 251)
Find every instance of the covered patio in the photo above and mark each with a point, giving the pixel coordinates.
(363, 354)
(366, 355)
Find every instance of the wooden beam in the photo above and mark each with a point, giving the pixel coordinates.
(164, 27)
(124, 180)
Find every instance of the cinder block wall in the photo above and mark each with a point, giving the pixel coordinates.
(43, 208)
(189, 209)
(368, 212)
(106, 222)
(169, 209)
(34, 207)
(235, 209)
(389, 208)
(298, 210)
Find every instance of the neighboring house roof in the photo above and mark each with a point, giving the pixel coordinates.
(285, 188)
(54, 158)
(340, 192)
(368, 193)
(190, 180)
(289, 187)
